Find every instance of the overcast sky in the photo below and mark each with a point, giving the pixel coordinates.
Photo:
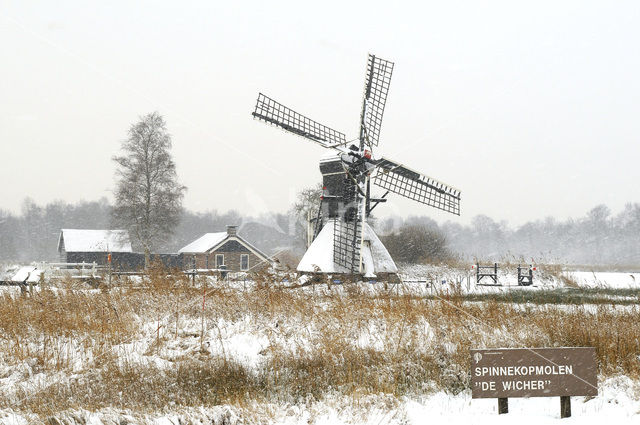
(530, 110)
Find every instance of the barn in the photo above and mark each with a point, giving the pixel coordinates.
(228, 249)
(89, 246)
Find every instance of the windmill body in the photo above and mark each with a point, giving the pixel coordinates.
(336, 207)
(343, 240)
(319, 257)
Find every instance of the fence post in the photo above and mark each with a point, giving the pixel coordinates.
(193, 278)
(177, 319)
(531, 274)
(204, 297)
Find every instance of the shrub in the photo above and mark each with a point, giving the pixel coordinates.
(418, 244)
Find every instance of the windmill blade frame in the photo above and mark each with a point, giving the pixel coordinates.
(347, 243)
(347, 174)
(275, 113)
(376, 89)
(408, 183)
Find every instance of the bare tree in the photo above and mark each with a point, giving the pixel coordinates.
(307, 202)
(304, 209)
(148, 196)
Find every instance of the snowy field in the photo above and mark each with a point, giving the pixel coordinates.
(605, 279)
(155, 333)
(613, 405)
(430, 277)
(543, 277)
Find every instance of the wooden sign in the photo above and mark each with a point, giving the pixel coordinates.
(534, 372)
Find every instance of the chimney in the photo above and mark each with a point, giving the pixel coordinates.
(232, 230)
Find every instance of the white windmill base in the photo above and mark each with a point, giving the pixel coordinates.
(319, 256)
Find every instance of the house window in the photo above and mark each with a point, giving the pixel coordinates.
(219, 260)
(244, 262)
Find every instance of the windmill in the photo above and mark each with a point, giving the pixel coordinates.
(343, 241)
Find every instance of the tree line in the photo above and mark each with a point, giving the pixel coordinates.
(32, 235)
(148, 203)
(598, 237)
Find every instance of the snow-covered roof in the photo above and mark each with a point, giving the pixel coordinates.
(330, 155)
(88, 240)
(204, 243)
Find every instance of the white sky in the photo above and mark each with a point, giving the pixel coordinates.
(530, 110)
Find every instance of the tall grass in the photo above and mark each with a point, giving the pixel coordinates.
(350, 340)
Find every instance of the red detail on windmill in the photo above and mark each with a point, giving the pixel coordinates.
(367, 154)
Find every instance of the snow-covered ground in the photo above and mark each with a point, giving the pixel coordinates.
(618, 402)
(434, 277)
(605, 279)
(508, 278)
(464, 280)
(248, 341)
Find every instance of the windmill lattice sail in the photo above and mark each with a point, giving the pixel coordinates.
(279, 115)
(405, 182)
(376, 88)
(347, 244)
(346, 200)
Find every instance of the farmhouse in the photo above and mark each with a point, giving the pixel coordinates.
(87, 245)
(215, 250)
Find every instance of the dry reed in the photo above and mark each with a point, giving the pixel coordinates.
(351, 340)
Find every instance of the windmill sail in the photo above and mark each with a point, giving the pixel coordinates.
(405, 182)
(275, 113)
(347, 242)
(376, 88)
(346, 176)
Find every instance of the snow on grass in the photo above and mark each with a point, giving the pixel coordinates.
(605, 279)
(348, 353)
(464, 279)
(615, 403)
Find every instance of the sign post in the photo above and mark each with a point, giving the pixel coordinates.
(534, 372)
(503, 405)
(565, 406)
